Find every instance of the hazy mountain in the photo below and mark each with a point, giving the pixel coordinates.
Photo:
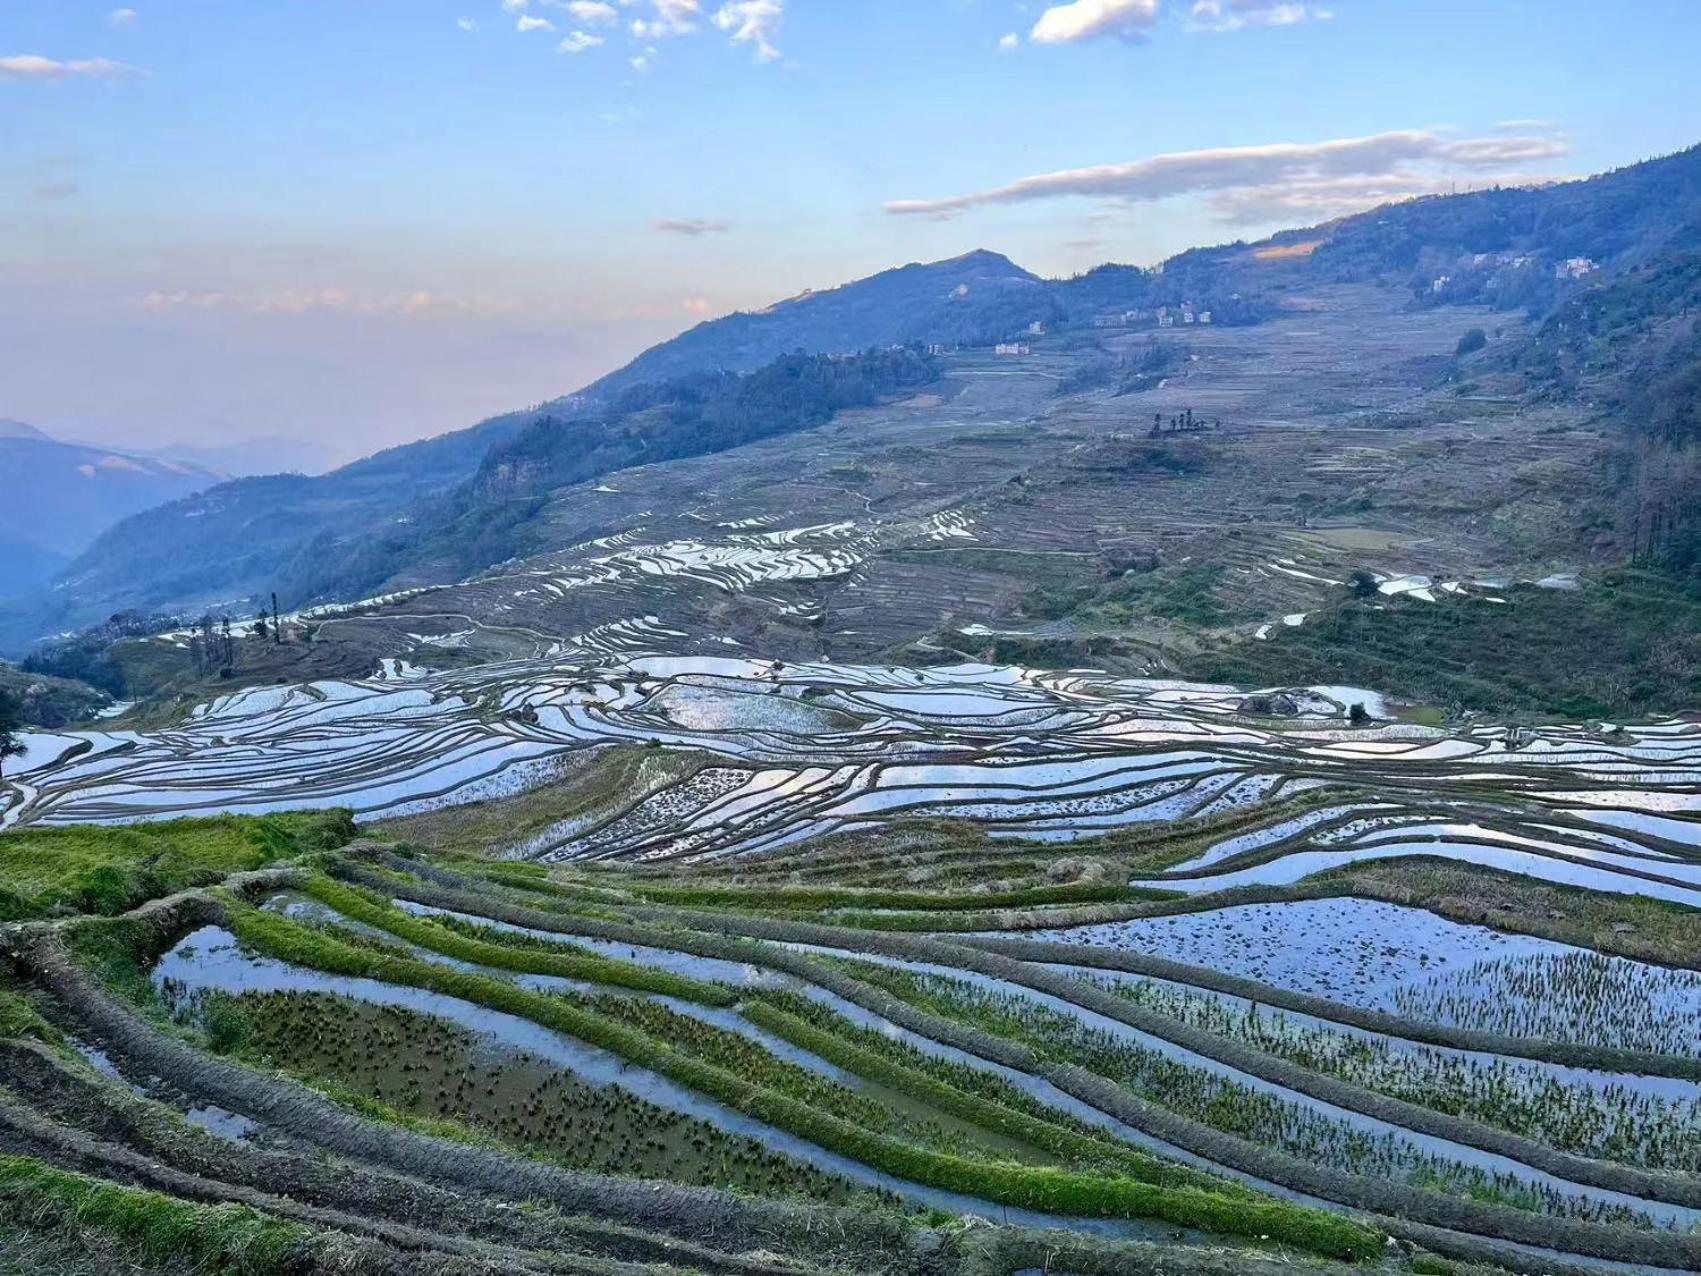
(233, 540)
(25, 566)
(59, 498)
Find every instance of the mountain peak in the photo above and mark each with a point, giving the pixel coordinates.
(10, 429)
(984, 258)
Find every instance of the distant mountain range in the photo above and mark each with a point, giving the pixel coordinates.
(59, 497)
(1534, 249)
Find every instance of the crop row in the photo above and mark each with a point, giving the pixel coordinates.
(1413, 1203)
(1040, 1188)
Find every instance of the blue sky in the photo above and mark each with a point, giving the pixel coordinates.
(363, 221)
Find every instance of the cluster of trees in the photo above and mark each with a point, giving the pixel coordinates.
(1632, 344)
(11, 728)
(1213, 279)
(87, 657)
(702, 413)
(1150, 365)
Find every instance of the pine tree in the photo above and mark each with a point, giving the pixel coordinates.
(11, 728)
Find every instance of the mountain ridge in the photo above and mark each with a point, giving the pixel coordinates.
(1498, 247)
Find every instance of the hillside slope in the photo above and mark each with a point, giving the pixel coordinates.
(1534, 249)
(974, 299)
(59, 497)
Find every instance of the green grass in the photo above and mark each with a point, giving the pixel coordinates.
(19, 1019)
(507, 950)
(1074, 1148)
(1172, 593)
(109, 870)
(1628, 643)
(159, 1228)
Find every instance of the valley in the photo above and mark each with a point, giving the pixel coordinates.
(1186, 799)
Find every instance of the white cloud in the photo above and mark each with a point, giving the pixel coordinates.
(692, 225)
(1009, 42)
(579, 41)
(698, 306)
(642, 62)
(467, 24)
(1319, 199)
(1385, 156)
(528, 23)
(515, 6)
(123, 17)
(1230, 15)
(593, 12)
(672, 17)
(1094, 20)
(1309, 201)
(753, 22)
(1488, 152)
(32, 66)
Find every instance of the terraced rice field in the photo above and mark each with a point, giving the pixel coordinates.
(723, 965)
(802, 751)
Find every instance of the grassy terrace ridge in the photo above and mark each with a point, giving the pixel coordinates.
(882, 1068)
(572, 921)
(106, 870)
(156, 1227)
(818, 898)
(1479, 1207)
(1039, 1188)
(452, 941)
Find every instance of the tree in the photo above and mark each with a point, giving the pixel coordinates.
(1364, 584)
(11, 728)
(1473, 340)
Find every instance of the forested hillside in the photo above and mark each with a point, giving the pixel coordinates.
(489, 517)
(976, 299)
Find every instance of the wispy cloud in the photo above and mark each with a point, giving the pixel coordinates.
(1095, 20)
(419, 302)
(1230, 15)
(1318, 200)
(1009, 42)
(593, 12)
(672, 17)
(1382, 155)
(692, 226)
(753, 22)
(32, 66)
(122, 18)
